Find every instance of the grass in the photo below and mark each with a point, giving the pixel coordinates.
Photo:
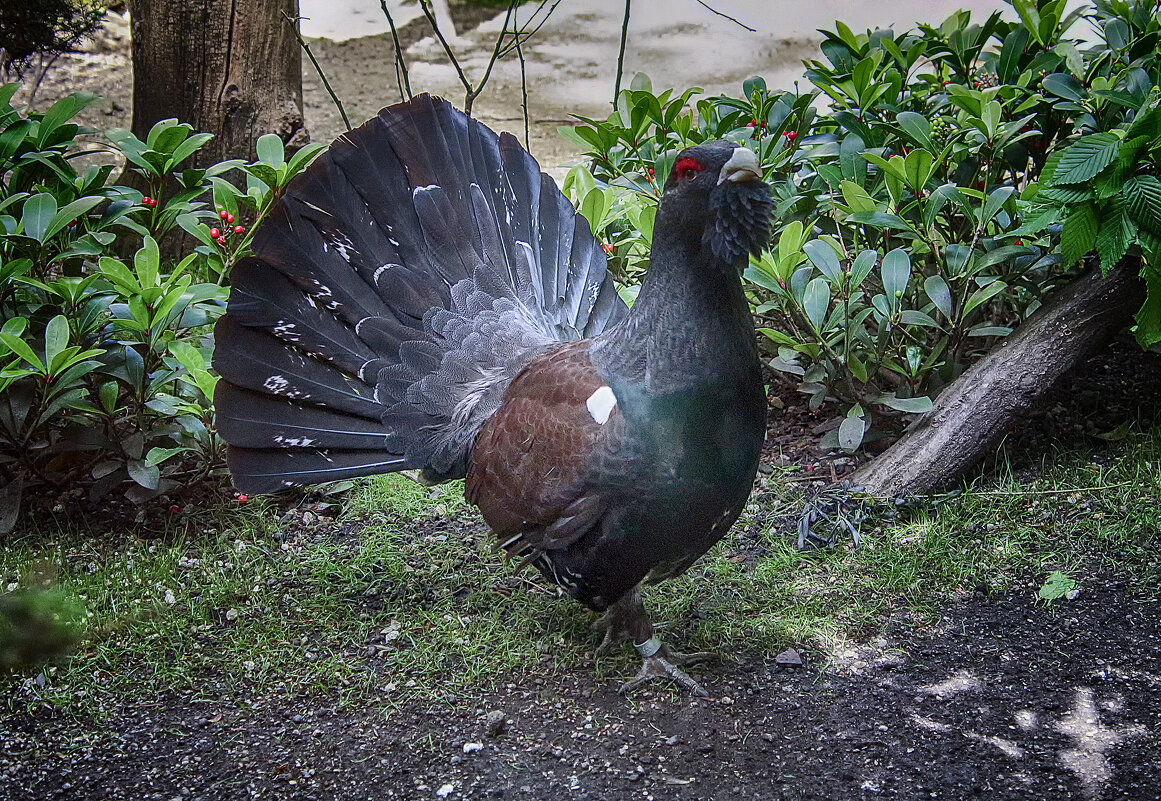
(404, 596)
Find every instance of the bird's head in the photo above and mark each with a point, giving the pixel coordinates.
(715, 193)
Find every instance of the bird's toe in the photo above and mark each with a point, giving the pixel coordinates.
(660, 667)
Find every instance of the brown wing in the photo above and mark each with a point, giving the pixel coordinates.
(528, 466)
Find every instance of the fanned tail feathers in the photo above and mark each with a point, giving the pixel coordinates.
(397, 288)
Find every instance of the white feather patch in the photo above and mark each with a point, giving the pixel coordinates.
(601, 404)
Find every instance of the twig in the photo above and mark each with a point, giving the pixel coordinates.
(522, 35)
(425, 7)
(495, 54)
(523, 94)
(402, 78)
(621, 56)
(318, 68)
(727, 16)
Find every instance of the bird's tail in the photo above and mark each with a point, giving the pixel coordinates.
(396, 289)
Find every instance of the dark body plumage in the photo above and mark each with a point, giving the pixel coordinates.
(423, 297)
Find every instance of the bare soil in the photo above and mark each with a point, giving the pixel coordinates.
(1004, 700)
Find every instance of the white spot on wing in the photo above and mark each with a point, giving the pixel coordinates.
(601, 404)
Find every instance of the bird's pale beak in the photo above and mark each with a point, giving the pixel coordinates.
(742, 166)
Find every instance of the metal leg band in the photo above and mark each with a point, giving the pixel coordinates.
(648, 648)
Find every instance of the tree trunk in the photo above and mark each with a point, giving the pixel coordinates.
(975, 411)
(232, 69)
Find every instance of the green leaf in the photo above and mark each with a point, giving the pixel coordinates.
(147, 263)
(1116, 233)
(852, 428)
(20, 348)
(896, 275)
(989, 331)
(983, 295)
(1057, 586)
(1078, 236)
(1085, 158)
(1064, 85)
(145, 474)
(37, 215)
(857, 198)
(996, 200)
(917, 127)
(857, 368)
(1143, 200)
(1148, 319)
(158, 455)
(909, 405)
(70, 212)
(270, 150)
(816, 301)
(187, 149)
(56, 338)
(916, 317)
(939, 292)
(861, 267)
(918, 168)
(823, 257)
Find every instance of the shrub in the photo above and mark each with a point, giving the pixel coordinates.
(919, 213)
(105, 380)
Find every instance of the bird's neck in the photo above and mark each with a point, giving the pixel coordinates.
(690, 325)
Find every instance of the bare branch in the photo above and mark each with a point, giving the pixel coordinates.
(621, 54)
(708, 7)
(425, 6)
(402, 78)
(293, 21)
(523, 94)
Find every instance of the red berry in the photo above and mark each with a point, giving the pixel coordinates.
(238, 229)
(751, 123)
(146, 200)
(215, 233)
(243, 498)
(605, 246)
(72, 223)
(175, 509)
(221, 240)
(223, 214)
(230, 218)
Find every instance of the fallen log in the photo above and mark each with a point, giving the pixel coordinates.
(973, 413)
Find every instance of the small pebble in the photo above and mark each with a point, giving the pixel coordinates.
(496, 722)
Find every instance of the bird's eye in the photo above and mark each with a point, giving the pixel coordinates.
(687, 167)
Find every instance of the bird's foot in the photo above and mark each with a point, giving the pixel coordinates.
(658, 662)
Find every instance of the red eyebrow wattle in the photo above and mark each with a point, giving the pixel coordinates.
(687, 163)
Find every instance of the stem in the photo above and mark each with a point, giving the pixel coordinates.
(621, 55)
(727, 16)
(469, 94)
(523, 93)
(318, 68)
(402, 78)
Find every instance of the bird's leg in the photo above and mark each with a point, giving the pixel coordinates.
(627, 619)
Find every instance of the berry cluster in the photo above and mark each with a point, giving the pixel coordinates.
(151, 202)
(985, 80)
(790, 135)
(219, 236)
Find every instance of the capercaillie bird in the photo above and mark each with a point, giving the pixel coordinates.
(423, 297)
